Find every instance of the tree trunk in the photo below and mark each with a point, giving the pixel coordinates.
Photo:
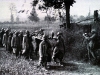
(68, 16)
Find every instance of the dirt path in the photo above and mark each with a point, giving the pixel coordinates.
(10, 65)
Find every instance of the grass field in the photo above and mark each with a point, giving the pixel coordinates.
(74, 65)
(10, 65)
(32, 27)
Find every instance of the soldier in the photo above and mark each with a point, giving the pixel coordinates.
(40, 33)
(44, 52)
(27, 45)
(92, 43)
(15, 44)
(5, 38)
(9, 48)
(59, 49)
(1, 36)
(21, 40)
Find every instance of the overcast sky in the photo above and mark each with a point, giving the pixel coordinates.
(81, 7)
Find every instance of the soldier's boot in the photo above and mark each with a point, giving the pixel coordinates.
(45, 65)
(61, 63)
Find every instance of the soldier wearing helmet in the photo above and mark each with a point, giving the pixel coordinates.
(27, 45)
(44, 52)
(9, 48)
(59, 50)
(15, 44)
(5, 38)
(93, 42)
(1, 36)
(21, 40)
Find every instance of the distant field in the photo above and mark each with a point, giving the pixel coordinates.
(32, 27)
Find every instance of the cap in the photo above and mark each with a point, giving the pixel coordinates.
(93, 30)
(58, 33)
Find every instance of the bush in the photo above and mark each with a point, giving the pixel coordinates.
(74, 44)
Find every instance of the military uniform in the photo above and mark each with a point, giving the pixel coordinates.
(9, 48)
(21, 41)
(59, 49)
(1, 36)
(44, 52)
(5, 39)
(91, 43)
(37, 45)
(15, 43)
(27, 45)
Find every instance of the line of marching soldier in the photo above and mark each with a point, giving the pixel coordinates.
(21, 44)
(16, 42)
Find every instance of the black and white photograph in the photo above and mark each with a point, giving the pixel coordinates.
(49, 37)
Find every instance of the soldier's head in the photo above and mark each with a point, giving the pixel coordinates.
(2, 29)
(27, 32)
(10, 34)
(7, 31)
(21, 32)
(45, 37)
(16, 33)
(41, 30)
(59, 34)
(86, 34)
(93, 31)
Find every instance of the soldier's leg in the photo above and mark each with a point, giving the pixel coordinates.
(36, 50)
(27, 55)
(54, 57)
(45, 64)
(61, 58)
(31, 52)
(40, 61)
(10, 50)
(93, 54)
(17, 52)
(6, 47)
(88, 48)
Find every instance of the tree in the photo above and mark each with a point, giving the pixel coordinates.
(12, 8)
(17, 19)
(33, 16)
(56, 4)
(12, 18)
(49, 19)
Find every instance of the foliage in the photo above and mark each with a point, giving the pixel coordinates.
(34, 17)
(49, 18)
(74, 43)
(56, 4)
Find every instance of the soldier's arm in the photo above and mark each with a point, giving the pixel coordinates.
(23, 42)
(12, 42)
(3, 40)
(40, 50)
(92, 36)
